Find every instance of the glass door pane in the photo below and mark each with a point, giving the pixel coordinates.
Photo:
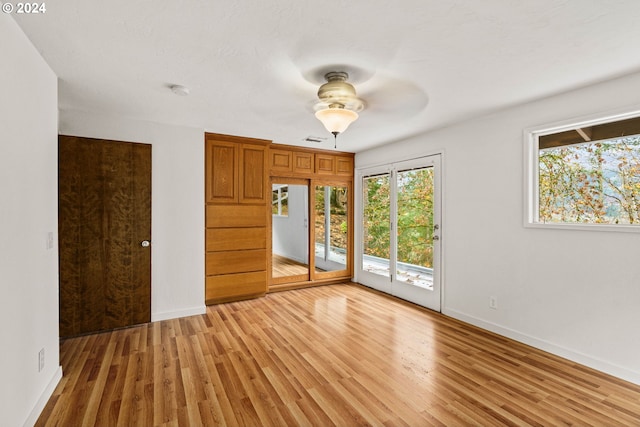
(376, 220)
(331, 228)
(415, 229)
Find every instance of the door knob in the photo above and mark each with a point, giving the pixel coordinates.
(145, 243)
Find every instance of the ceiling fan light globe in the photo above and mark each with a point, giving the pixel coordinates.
(336, 119)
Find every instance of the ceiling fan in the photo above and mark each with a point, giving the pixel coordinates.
(338, 104)
(382, 99)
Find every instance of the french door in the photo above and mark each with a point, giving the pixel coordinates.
(400, 231)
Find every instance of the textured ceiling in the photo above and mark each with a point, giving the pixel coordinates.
(253, 67)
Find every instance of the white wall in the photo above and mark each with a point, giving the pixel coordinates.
(177, 211)
(28, 212)
(573, 293)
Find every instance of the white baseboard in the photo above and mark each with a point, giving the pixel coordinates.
(44, 398)
(174, 314)
(583, 359)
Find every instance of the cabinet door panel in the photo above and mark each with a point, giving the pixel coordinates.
(280, 161)
(344, 166)
(303, 163)
(252, 180)
(222, 172)
(325, 164)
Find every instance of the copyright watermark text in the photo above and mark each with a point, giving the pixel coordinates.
(26, 8)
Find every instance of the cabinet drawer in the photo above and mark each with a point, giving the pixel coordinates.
(236, 216)
(236, 261)
(233, 239)
(232, 286)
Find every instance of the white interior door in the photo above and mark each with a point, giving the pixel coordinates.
(400, 247)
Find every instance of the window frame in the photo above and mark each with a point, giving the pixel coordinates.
(531, 170)
(279, 201)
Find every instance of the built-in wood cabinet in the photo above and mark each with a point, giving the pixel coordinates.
(241, 174)
(236, 217)
(312, 242)
(307, 163)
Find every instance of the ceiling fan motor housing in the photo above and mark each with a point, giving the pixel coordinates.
(337, 89)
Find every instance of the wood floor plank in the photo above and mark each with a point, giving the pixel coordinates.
(293, 415)
(220, 405)
(336, 355)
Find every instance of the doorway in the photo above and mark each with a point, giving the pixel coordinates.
(104, 203)
(400, 247)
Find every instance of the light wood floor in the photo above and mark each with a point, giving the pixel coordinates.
(283, 267)
(330, 355)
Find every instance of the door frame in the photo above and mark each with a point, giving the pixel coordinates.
(382, 283)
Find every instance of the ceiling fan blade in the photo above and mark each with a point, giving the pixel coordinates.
(387, 95)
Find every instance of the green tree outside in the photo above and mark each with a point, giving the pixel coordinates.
(591, 183)
(415, 216)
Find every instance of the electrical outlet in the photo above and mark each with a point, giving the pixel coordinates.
(493, 302)
(41, 360)
(50, 240)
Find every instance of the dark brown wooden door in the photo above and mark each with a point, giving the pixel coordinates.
(104, 196)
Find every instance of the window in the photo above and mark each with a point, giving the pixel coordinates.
(585, 175)
(280, 200)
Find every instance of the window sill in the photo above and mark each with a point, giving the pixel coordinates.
(585, 227)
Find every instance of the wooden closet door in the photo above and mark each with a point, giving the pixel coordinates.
(104, 216)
